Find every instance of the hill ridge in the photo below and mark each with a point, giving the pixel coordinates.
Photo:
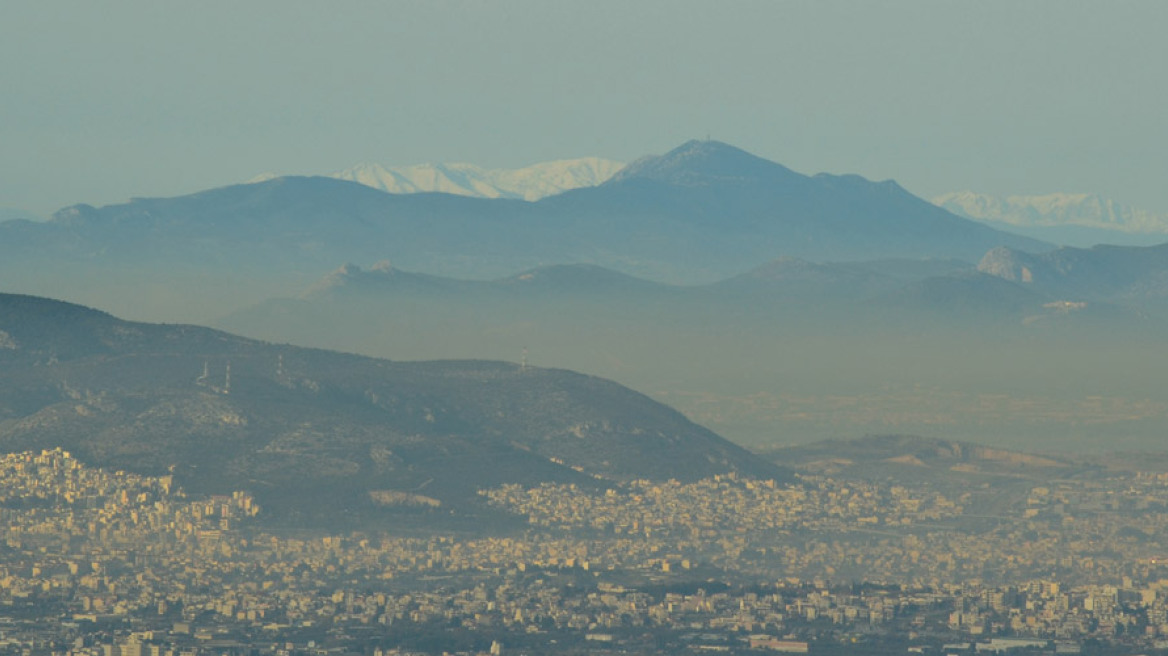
(313, 430)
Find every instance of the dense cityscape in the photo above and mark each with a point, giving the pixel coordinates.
(110, 563)
(651, 328)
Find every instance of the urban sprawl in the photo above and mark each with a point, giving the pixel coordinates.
(101, 563)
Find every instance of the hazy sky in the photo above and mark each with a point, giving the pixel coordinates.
(103, 101)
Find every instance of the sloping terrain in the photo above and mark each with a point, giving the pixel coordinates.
(313, 433)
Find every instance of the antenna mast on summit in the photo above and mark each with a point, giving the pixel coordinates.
(227, 379)
(523, 360)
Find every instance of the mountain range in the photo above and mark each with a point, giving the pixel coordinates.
(767, 304)
(1132, 275)
(318, 434)
(528, 183)
(1073, 219)
(1118, 289)
(749, 355)
(878, 456)
(702, 212)
(1069, 219)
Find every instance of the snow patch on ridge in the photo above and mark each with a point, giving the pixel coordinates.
(1053, 210)
(528, 183)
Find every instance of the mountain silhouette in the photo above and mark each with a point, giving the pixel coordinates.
(700, 213)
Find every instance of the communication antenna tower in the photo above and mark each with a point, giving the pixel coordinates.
(202, 380)
(523, 360)
(227, 379)
(280, 366)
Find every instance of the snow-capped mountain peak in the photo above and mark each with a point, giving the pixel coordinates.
(1053, 210)
(528, 183)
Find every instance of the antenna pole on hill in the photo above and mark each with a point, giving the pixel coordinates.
(227, 379)
(523, 360)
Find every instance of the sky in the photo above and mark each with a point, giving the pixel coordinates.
(100, 102)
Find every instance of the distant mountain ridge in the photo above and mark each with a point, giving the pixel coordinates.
(553, 279)
(915, 450)
(587, 318)
(1129, 274)
(1071, 219)
(1088, 210)
(702, 212)
(526, 183)
(782, 295)
(916, 459)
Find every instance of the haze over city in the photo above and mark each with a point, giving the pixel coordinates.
(642, 328)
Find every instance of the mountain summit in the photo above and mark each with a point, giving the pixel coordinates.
(699, 163)
(713, 200)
